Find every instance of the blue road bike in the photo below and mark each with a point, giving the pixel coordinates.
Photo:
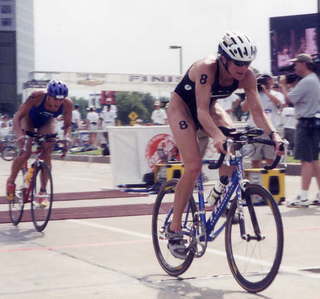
(253, 245)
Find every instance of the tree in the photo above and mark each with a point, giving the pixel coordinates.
(140, 103)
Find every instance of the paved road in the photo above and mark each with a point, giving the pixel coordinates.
(113, 257)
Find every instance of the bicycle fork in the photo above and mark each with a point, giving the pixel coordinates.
(241, 199)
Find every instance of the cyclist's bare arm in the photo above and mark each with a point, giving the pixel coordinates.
(204, 77)
(33, 100)
(67, 117)
(253, 103)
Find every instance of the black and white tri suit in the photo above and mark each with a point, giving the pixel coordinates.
(186, 90)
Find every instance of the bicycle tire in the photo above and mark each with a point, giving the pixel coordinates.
(162, 212)
(41, 213)
(16, 206)
(253, 272)
(9, 153)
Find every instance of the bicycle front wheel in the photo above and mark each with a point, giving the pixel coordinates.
(9, 153)
(41, 204)
(16, 205)
(161, 217)
(254, 246)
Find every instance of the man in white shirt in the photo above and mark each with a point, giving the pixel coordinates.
(108, 117)
(92, 125)
(272, 102)
(289, 123)
(158, 116)
(75, 125)
(228, 104)
(76, 118)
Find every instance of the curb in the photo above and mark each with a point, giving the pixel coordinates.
(83, 158)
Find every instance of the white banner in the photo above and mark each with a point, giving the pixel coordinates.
(158, 85)
(135, 149)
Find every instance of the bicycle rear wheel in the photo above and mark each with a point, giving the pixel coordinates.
(41, 206)
(16, 206)
(254, 247)
(161, 216)
(9, 153)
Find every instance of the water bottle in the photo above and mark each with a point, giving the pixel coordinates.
(28, 176)
(218, 190)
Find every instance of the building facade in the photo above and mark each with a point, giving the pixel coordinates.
(16, 51)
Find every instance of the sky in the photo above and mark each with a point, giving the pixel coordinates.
(126, 36)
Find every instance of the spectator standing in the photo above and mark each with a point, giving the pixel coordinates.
(92, 125)
(108, 117)
(288, 123)
(158, 116)
(75, 125)
(229, 103)
(76, 118)
(305, 97)
(4, 130)
(272, 102)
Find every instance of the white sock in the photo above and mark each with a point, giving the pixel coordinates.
(304, 194)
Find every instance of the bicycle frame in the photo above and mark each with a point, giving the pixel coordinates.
(221, 205)
(36, 163)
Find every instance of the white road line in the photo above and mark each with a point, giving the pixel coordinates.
(111, 228)
(287, 269)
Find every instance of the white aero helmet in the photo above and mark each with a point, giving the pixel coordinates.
(237, 46)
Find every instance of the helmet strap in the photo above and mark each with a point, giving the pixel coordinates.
(225, 64)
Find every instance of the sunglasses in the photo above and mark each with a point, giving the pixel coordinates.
(241, 63)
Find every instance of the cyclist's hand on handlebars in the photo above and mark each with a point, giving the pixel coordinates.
(218, 141)
(65, 148)
(279, 148)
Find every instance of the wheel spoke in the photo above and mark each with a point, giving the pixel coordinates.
(41, 202)
(162, 215)
(254, 248)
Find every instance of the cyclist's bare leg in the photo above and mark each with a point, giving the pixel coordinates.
(23, 157)
(184, 133)
(222, 119)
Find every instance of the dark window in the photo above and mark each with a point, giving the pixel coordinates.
(6, 21)
(6, 8)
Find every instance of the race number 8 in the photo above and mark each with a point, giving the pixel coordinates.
(203, 79)
(183, 124)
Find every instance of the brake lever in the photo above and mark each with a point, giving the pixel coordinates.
(276, 161)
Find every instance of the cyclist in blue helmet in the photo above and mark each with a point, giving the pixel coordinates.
(38, 112)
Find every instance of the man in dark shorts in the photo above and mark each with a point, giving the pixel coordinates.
(305, 97)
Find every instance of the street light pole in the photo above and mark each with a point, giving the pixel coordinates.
(180, 56)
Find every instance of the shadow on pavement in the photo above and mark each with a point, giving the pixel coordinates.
(14, 235)
(177, 287)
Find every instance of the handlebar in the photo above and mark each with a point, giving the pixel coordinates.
(217, 164)
(39, 138)
(249, 136)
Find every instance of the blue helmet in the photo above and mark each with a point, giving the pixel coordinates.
(57, 89)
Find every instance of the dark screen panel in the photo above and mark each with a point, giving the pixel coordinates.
(291, 35)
